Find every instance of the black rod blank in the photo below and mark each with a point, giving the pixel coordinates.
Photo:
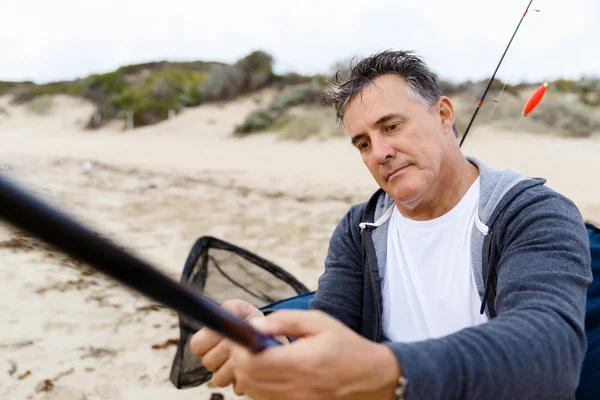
(28, 213)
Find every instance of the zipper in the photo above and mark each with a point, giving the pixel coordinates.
(489, 281)
(489, 253)
(489, 250)
(491, 273)
(372, 286)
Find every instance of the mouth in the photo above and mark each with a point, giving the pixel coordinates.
(396, 172)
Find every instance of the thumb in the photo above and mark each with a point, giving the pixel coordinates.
(296, 323)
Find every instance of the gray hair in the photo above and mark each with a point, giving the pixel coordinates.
(421, 83)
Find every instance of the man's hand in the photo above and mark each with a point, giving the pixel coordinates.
(327, 361)
(214, 348)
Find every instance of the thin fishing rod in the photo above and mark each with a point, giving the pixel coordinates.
(480, 103)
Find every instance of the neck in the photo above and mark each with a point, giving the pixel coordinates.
(456, 177)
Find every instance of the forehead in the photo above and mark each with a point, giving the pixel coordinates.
(386, 94)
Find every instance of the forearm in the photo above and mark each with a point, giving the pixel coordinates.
(526, 355)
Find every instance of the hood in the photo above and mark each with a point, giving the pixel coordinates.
(495, 184)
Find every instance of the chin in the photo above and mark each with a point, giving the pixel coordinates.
(405, 193)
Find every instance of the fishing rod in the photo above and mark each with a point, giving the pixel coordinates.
(28, 213)
(480, 103)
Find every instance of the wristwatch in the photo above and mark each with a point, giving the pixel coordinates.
(400, 390)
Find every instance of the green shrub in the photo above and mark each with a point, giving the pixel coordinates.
(309, 122)
(304, 93)
(146, 108)
(256, 61)
(223, 83)
(299, 127)
(497, 86)
(563, 85)
(274, 117)
(7, 87)
(75, 90)
(588, 84)
(177, 77)
(257, 121)
(41, 105)
(29, 92)
(99, 87)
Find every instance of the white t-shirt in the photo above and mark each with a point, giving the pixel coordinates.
(429, 289)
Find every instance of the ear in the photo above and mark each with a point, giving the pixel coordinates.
(446, 111)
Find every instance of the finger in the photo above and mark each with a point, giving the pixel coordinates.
(257, 384)
(262, 324)
(216, 357)
(297, 323)
(242, 373)
(269, 390)
(242, 309)
(276, 364)
(237, 389)
(203, 341)
(224, 375)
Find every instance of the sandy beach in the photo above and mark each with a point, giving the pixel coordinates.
(70, 333)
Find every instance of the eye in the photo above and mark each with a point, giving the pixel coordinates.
(363, 146)
(391, 128)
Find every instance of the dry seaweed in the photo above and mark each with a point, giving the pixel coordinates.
(169, 342)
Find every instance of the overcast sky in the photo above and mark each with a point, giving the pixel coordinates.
(43, 40)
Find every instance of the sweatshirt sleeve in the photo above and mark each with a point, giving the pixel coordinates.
(340, 287)
(534, 348)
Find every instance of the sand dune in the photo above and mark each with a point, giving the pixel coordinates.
(156, 190)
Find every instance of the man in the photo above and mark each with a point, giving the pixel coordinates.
(399, 310)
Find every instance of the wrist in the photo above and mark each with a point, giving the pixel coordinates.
(378, 376)
(391, 373)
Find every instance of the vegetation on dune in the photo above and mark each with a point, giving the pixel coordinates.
(450, 88)
(276, 116)
(12, 87)
(569, 108)
(151, 92)
(257, 121)
(310, 122)
(40, 105)
(150, 99)
(29, 92)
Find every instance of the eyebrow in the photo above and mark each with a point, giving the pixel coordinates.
(386, 118)
(380, 121)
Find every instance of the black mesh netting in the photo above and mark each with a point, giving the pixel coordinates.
(223, 271)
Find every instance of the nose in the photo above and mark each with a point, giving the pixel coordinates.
(382, 151)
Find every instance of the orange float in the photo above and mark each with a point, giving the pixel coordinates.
(535, 99)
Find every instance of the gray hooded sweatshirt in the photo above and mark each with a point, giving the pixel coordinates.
(528, 237)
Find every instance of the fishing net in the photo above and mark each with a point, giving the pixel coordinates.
(223, 271)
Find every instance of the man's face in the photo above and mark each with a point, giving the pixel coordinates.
(401, 142)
